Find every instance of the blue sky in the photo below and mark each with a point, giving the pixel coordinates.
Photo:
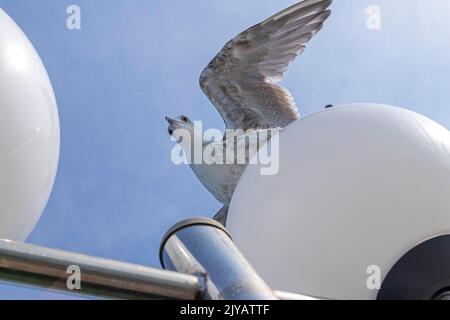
(133, 62)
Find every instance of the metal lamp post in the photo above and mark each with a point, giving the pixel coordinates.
(208, 266)
(203, 247)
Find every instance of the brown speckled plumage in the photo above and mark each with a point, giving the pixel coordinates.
(240, 80)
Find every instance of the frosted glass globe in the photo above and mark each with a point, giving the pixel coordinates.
(358, 186)
(29, 133)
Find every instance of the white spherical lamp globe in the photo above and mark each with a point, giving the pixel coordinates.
(358, 186)
(29, 133)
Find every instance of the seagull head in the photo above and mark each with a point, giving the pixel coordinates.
(180, 122)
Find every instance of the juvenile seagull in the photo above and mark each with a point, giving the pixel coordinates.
(241, 83)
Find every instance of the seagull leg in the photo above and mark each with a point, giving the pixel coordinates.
(221, 216)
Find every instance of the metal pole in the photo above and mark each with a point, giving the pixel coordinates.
(34, 266)
(204, 248)
(37, 266)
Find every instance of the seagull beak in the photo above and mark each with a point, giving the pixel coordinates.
(171, 125)
(169, 120)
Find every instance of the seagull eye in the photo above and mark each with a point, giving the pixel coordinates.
(184, 118)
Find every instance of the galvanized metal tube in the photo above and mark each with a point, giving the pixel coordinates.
(28, 264)
(203, 247)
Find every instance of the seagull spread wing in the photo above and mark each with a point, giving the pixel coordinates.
(240, 80)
